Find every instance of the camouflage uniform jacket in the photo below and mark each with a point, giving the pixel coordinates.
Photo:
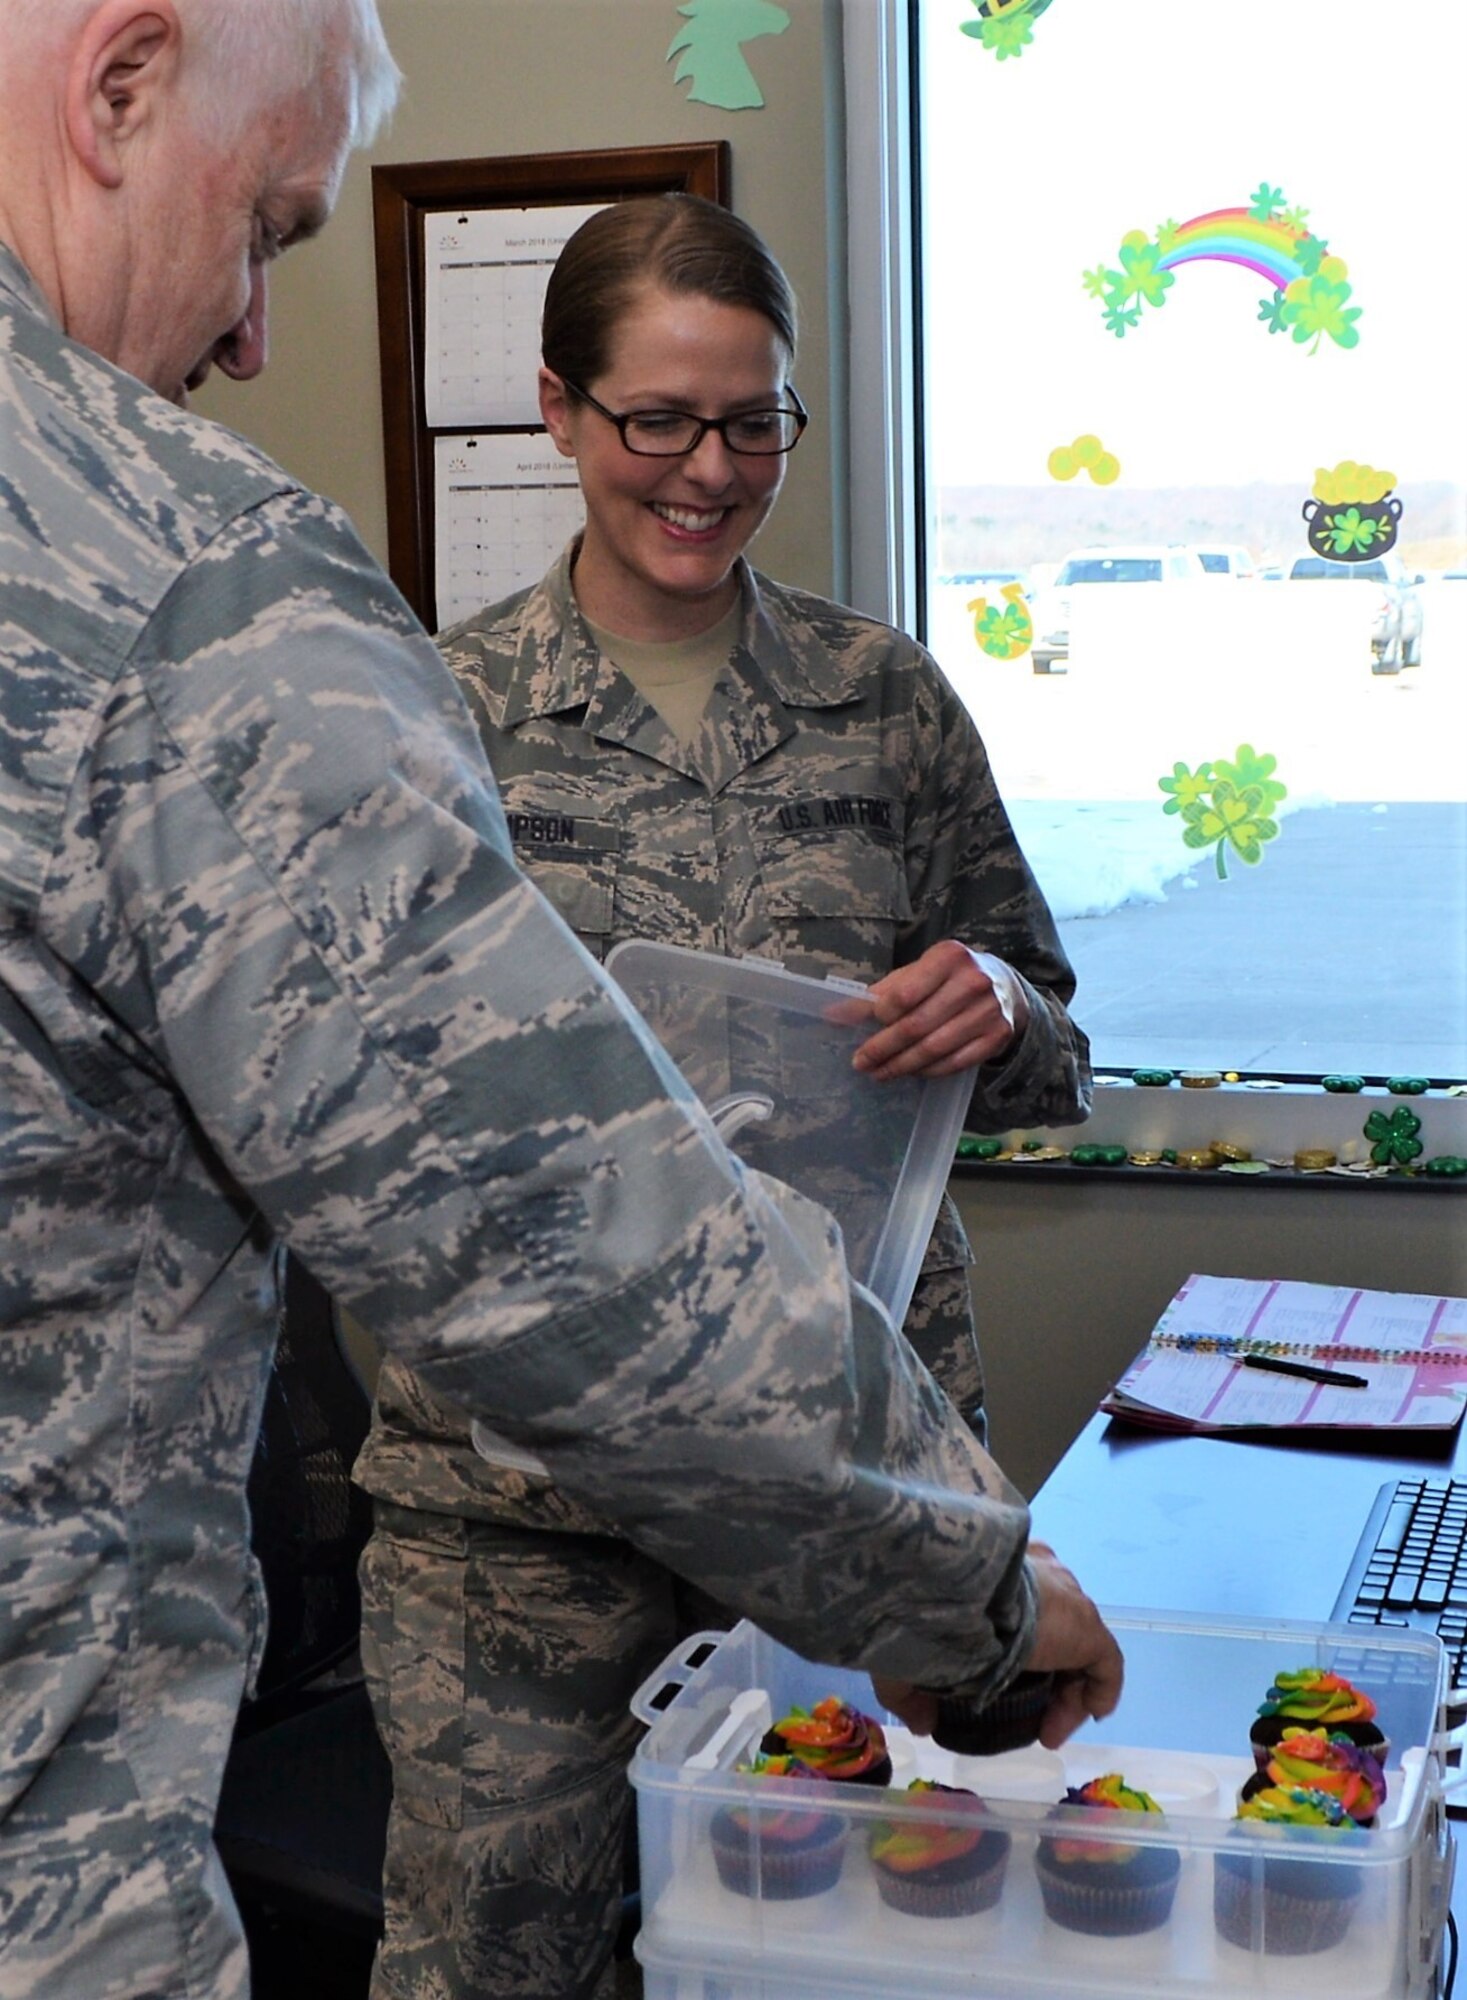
(836, 811)
(267, 968)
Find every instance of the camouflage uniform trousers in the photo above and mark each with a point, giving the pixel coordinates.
(501, 1656)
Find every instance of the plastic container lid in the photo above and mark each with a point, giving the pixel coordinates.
(769, 1053)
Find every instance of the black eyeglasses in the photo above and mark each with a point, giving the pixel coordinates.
(675, 433)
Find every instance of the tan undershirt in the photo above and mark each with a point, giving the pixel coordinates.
(675, 675)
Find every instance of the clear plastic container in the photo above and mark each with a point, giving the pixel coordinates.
(769, 1053)
(1181, 1733)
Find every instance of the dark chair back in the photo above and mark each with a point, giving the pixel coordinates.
(309, 1524)
(302, 1815)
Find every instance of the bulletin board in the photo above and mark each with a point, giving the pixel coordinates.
(477, 496)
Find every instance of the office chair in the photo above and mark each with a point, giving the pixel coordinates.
(302, 1820)
(303, 1812)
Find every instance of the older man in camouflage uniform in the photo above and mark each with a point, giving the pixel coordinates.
(267, 969)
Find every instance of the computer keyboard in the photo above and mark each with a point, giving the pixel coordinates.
(1409, 1569)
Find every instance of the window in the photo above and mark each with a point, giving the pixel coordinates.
(1201, 344)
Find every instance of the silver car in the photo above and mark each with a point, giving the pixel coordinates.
(1395, 638)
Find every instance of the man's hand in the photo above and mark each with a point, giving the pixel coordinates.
(1071, 1641)
(949, 1010)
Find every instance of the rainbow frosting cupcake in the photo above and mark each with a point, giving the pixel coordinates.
(1312, 1699)
(781, 1848)
(1286, 1904)
(1109, 1888)
(945, 1864)
(832, 1740)
(1311, 1760)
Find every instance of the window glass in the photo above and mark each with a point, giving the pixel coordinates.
(1193, 291)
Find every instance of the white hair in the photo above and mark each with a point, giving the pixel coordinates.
(242, 56)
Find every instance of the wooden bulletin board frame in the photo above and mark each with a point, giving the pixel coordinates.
(401, 197)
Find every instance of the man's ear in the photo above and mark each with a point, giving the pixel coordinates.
(555, 406)
(125, 58)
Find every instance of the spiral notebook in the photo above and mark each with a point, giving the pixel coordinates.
(1384, 1360)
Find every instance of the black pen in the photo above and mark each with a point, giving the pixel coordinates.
(1305, 1371)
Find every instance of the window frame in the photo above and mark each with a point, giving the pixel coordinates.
(888, 526)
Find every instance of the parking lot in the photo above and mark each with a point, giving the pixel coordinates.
(1271, 664)
(1346, 947)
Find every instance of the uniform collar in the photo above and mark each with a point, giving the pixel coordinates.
(558, 665)
(17, 284)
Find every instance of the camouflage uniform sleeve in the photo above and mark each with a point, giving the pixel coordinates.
(969, 880)
(287, 874)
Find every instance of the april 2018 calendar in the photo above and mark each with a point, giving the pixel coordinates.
(486, 270)
(504, 508)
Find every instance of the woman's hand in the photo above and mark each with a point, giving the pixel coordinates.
(949, 1010)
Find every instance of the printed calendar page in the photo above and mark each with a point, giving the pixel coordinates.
(505, 505)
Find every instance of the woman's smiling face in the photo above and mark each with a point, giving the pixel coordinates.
(663, 534)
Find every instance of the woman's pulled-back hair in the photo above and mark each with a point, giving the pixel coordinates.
(676, 243)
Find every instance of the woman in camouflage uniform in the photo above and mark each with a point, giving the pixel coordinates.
(691, 753)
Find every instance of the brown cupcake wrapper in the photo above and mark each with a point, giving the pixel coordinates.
(751, 1867)
(1291, 1925)
(1009, 1722)
(917, 1895)
(1109, 1909)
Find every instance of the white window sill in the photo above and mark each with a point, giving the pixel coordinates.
(1270, 1124)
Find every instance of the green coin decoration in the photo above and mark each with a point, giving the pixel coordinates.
(1169, 1154)
(1447, 1166)
(978, 1149)
(1153, 1078)
(1113, 1156)
(1344, 1084)
(1407, 1086)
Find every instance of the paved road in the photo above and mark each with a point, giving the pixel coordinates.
(1344, 949)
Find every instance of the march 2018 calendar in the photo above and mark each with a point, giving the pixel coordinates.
(486, 271)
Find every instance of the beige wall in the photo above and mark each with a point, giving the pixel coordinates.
(491, 77)
(1071, 1277)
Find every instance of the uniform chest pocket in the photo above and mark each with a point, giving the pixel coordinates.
(574, 861)
(833, 881)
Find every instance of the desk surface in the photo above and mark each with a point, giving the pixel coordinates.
(1165, 1523)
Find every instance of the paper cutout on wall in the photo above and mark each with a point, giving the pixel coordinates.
(1004, 25)
(1353, 513)
(1006, 634)
(1086, 454)
(1310, 294)
(1227, 804)
(712, 50)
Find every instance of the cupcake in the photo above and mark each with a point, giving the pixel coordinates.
(1285, 1904)
(1106, 1888)
(781, 1848)
(1313, 1699)
(833, 1740)
(1311, 1760)
(1009, 1721)
(945, 1863)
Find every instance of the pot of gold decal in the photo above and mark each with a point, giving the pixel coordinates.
(1353, 513)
